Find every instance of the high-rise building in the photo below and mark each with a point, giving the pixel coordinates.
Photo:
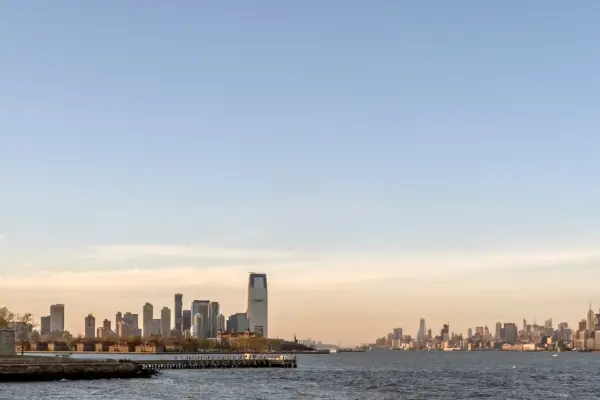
(106, 324)
(214, 318)
(147, 317)
(397, 334)
(497, 331)
(591, 319)
(57, 318)
(90, 326)
(202, 307)
(45, 325)
(510, 333)
(186, 320)
(178, 312)
(155, 327)
(470, 333)
(197, 330)
(421, 333)
(131, 323)
(258, 304)
(220, 323)
(132, 320)
(445, 332)
(118, 319)
(165, 321)
(238, 323)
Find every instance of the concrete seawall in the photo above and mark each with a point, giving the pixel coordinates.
(23, 369)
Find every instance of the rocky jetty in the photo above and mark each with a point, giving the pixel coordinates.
(26, 369)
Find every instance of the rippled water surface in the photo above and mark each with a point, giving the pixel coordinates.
(371, 375)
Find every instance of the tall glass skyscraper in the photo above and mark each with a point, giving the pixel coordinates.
(421, 334)
(258, 306)
(178, 312)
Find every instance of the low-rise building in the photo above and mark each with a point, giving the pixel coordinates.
(39, 346)
(58, 346)
(121, 348)
(174, 348)
(86, 346)
(149, 348)
(102, 346)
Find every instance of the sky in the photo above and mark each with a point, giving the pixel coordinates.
(381, 161)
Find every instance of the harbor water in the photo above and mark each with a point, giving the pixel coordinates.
(370, 375)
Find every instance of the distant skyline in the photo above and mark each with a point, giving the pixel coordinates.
(380, 161)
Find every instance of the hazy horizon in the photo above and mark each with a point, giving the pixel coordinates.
(380, 161)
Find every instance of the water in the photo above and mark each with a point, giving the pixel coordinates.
(372, 375)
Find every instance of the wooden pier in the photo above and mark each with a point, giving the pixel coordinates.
(211, 363)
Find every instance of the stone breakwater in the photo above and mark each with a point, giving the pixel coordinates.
(24, 369)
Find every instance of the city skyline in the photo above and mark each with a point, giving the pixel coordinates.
(493, 329)
(380, 162)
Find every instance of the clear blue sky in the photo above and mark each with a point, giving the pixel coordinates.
(340, 126)
(371, 123)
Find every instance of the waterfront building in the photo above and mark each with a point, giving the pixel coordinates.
(57, 318)
(106, 324)
(45, 325)
(90, 326)
(258, 304)
(470, 333)
(165, 321)
(397, 333)
(186, 320)
(214, 318)
(238, 323)
(147, 318)
(178, 312)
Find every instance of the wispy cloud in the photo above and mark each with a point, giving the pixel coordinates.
(147, 251)
(180, 264)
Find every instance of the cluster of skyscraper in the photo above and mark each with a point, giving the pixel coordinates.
(202, 320)
(505, 334)
(55, 322)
